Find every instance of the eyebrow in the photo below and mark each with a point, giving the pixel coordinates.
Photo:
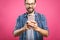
(30, 3)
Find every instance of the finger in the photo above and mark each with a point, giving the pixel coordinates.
(33, 22)
(28, 22)
(27, 28)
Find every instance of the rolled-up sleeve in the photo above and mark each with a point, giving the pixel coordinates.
(44, 22)
(18, 23)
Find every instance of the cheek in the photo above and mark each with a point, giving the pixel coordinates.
(26, 6)
(34, 6)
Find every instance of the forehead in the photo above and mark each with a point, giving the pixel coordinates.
(30, 1)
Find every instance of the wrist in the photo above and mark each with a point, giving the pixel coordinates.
(37, 29)
(23, 28)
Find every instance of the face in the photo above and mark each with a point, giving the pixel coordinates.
(30, 5)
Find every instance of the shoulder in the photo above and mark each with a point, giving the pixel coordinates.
(22, 15)
(40, 14)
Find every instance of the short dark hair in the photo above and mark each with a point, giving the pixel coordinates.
(35, 1)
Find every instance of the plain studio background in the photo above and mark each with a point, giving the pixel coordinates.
(11, 9)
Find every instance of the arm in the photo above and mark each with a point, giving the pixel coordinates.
(18, 28)
(18, 31)
(34, 25)
(21, 30)
(42, 31)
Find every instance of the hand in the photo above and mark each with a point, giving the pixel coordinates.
(26, 26)
(33, 24)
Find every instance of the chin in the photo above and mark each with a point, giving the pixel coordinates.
(30, 10)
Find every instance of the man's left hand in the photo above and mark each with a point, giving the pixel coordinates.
(34, 25)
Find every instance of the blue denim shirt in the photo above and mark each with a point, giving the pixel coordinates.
(39, 18)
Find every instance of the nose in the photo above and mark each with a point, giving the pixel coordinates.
(30, 6)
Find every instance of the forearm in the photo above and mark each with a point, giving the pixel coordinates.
(18, 32)
(42, 32)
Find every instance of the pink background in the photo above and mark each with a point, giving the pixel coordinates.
(11, 9)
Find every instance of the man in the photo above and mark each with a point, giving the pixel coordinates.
(31, 28)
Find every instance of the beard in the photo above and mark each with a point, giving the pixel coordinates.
(30, 10)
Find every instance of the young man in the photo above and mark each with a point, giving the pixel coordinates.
(31, 25)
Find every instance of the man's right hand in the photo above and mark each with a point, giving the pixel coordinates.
(26, 26)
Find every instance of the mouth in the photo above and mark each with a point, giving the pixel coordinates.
(30, 9)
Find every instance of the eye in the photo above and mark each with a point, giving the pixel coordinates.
(27, 3)
(30, 3)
